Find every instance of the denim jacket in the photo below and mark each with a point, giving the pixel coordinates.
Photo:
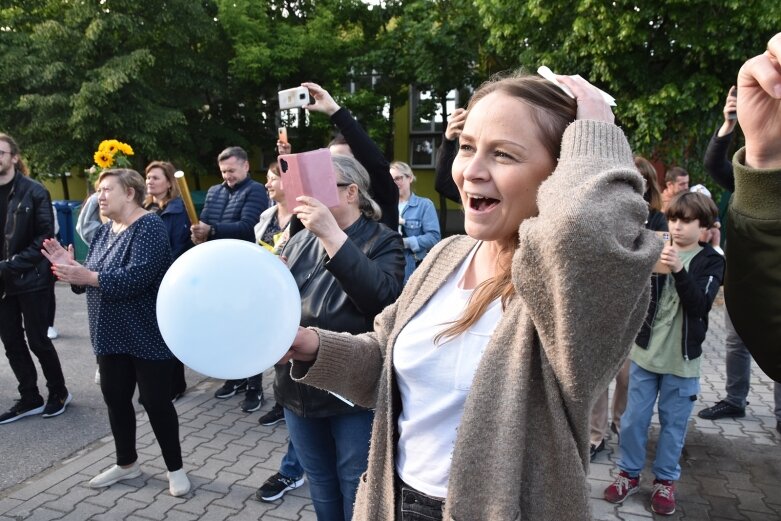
(420, 231)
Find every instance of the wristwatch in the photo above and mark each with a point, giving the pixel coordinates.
(212, 231)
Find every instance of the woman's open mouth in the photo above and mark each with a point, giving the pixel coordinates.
(481, 203)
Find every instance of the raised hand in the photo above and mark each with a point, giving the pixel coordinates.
(455, 124)
(759, 106)
(323, 101)
(591, 104)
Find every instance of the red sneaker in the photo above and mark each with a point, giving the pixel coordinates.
(623, 487)
(663, 497)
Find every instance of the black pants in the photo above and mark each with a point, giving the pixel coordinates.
(29, 313)
(118, 377)
(178, 383)
(52, 305)
(413, 505)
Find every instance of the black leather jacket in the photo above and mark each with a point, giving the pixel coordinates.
(344, 294)
(29, 221)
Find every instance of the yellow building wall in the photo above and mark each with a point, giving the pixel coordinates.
(424, 186)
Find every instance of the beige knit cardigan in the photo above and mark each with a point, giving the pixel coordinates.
(581, 273)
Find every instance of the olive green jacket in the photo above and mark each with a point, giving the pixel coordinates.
(752, 284)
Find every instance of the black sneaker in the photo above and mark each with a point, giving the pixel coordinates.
(596, 449)
(274, 416)
(253, 399)
(56, 405)
(276, 486)
(230, 388)
(21, 409)
(722, 410)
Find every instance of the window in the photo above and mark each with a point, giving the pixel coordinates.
(427, 125)
(423, 151)
(426, 113)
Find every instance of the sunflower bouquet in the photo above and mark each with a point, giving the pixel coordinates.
(110, 154)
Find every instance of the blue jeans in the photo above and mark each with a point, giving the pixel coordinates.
(738, 361)
(290, 467)
(334, 452)
(676, 401)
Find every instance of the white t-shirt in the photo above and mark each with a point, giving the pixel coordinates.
(434, 382)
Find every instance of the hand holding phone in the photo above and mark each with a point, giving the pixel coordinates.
(660, 266)
(309, 173)
(293, 98)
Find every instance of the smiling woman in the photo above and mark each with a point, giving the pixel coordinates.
(514, 328)
(121, 276)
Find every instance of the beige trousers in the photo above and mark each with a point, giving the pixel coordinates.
(599, 411)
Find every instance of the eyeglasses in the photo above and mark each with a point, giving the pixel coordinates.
(4, 152)
(398, 178)
(342, 185)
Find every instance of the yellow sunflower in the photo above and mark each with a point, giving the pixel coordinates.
(109, 146)
(125, 148)
(103, 159)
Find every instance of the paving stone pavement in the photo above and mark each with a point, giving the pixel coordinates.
(731, 468)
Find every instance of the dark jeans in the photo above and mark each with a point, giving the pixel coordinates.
(290, 467)
(334, 452)
(118, 377)
(32, 310)
(413, 505)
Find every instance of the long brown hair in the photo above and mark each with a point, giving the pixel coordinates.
(551, 112)
(15, 152)
(172, 193)
(652, 195)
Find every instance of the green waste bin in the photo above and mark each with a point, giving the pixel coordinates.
(67, 217)
(198, 196)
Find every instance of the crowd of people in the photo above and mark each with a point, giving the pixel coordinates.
(423, 368)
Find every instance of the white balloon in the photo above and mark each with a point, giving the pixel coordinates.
(228, 309)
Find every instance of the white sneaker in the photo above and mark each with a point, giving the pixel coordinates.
(115, 474)
(178, 483)
(52, 333)
(97, 376)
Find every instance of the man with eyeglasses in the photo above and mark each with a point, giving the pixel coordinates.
(26, 219)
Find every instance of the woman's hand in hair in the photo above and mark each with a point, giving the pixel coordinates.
(591, 104)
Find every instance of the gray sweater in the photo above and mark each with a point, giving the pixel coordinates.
(581, 273)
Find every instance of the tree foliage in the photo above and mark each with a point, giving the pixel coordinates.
(280, 44)
(669, 64)
(181, 79)
(149, 73)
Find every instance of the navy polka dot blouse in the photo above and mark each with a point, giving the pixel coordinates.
(130, 266)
